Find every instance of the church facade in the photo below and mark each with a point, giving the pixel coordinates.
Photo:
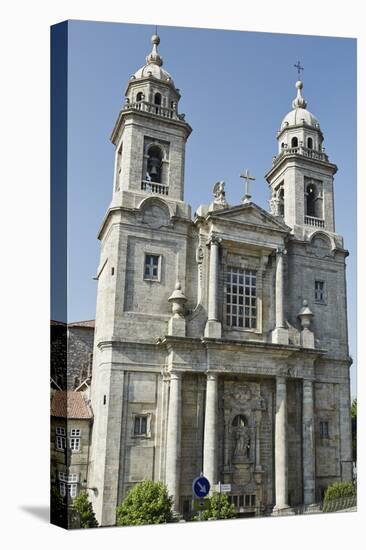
(220, 339)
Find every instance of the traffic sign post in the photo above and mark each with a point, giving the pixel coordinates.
(201, 504)
(201, 486)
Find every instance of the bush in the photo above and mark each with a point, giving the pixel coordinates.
(219, 508)
(148, 502)
(339, 490)
(84, 511)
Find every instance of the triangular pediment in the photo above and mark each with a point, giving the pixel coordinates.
(250, 214)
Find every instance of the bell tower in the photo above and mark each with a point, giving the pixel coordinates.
(149, 137)
(301, 178)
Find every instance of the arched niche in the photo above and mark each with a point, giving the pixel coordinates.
(155, 212)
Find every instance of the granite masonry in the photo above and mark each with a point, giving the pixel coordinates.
(220, 339)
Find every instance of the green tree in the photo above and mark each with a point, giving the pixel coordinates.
(219, 508)
(339, 490)
(84, 511)
(147, 502)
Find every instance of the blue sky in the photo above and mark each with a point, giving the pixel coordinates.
(236, 87)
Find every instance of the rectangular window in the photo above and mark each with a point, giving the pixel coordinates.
(75, 443)
(319, 291)
(72, 489)
(241, 298)
(324, 430)
(60, 438)
(152, 267)
(68, 478)
(68, 484)
(140, 425)
(75, 432)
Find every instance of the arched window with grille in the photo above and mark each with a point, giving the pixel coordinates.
(310, 143)
(310, 200)
(281, 202)
(155, 164)
(157, 102)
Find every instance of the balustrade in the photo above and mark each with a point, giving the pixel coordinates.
(147, 107)
(316, 222)
(152, 187)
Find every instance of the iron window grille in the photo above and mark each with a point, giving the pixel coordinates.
(241, 298)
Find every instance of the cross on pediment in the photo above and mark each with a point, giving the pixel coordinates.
(247, 177)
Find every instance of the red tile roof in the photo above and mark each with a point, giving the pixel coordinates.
(70, 404)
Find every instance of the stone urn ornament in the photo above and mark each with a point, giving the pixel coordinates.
(178, 300)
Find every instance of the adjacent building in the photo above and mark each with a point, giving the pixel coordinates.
(71, 425)
(220, 340)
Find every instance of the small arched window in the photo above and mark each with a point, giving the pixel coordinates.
(281, 202)
(154, 164)
(282, 145)
(310, 143)
(294, 142)
(140, 96)
(310, 200)
(157, 101)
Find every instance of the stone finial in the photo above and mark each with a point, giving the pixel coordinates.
(154, 56)
(178, 300)
(299, 101)
(305, 315)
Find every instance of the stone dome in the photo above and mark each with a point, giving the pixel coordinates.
(297, 115)
(151, 69)
(299, 112)
(153, 66)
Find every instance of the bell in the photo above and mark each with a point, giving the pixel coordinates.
(153, 169)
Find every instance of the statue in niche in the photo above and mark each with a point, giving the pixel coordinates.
(199, 255)
(241, 437)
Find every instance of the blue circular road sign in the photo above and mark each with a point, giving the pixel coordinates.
(201, 487)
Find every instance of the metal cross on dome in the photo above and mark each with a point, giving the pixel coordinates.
(299, 69)
(247, 177)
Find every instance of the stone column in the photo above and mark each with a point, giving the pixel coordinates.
(210, 435)
(281, 444)
(308, 442)
(280, 334)
(172, 467)
(213, 326)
